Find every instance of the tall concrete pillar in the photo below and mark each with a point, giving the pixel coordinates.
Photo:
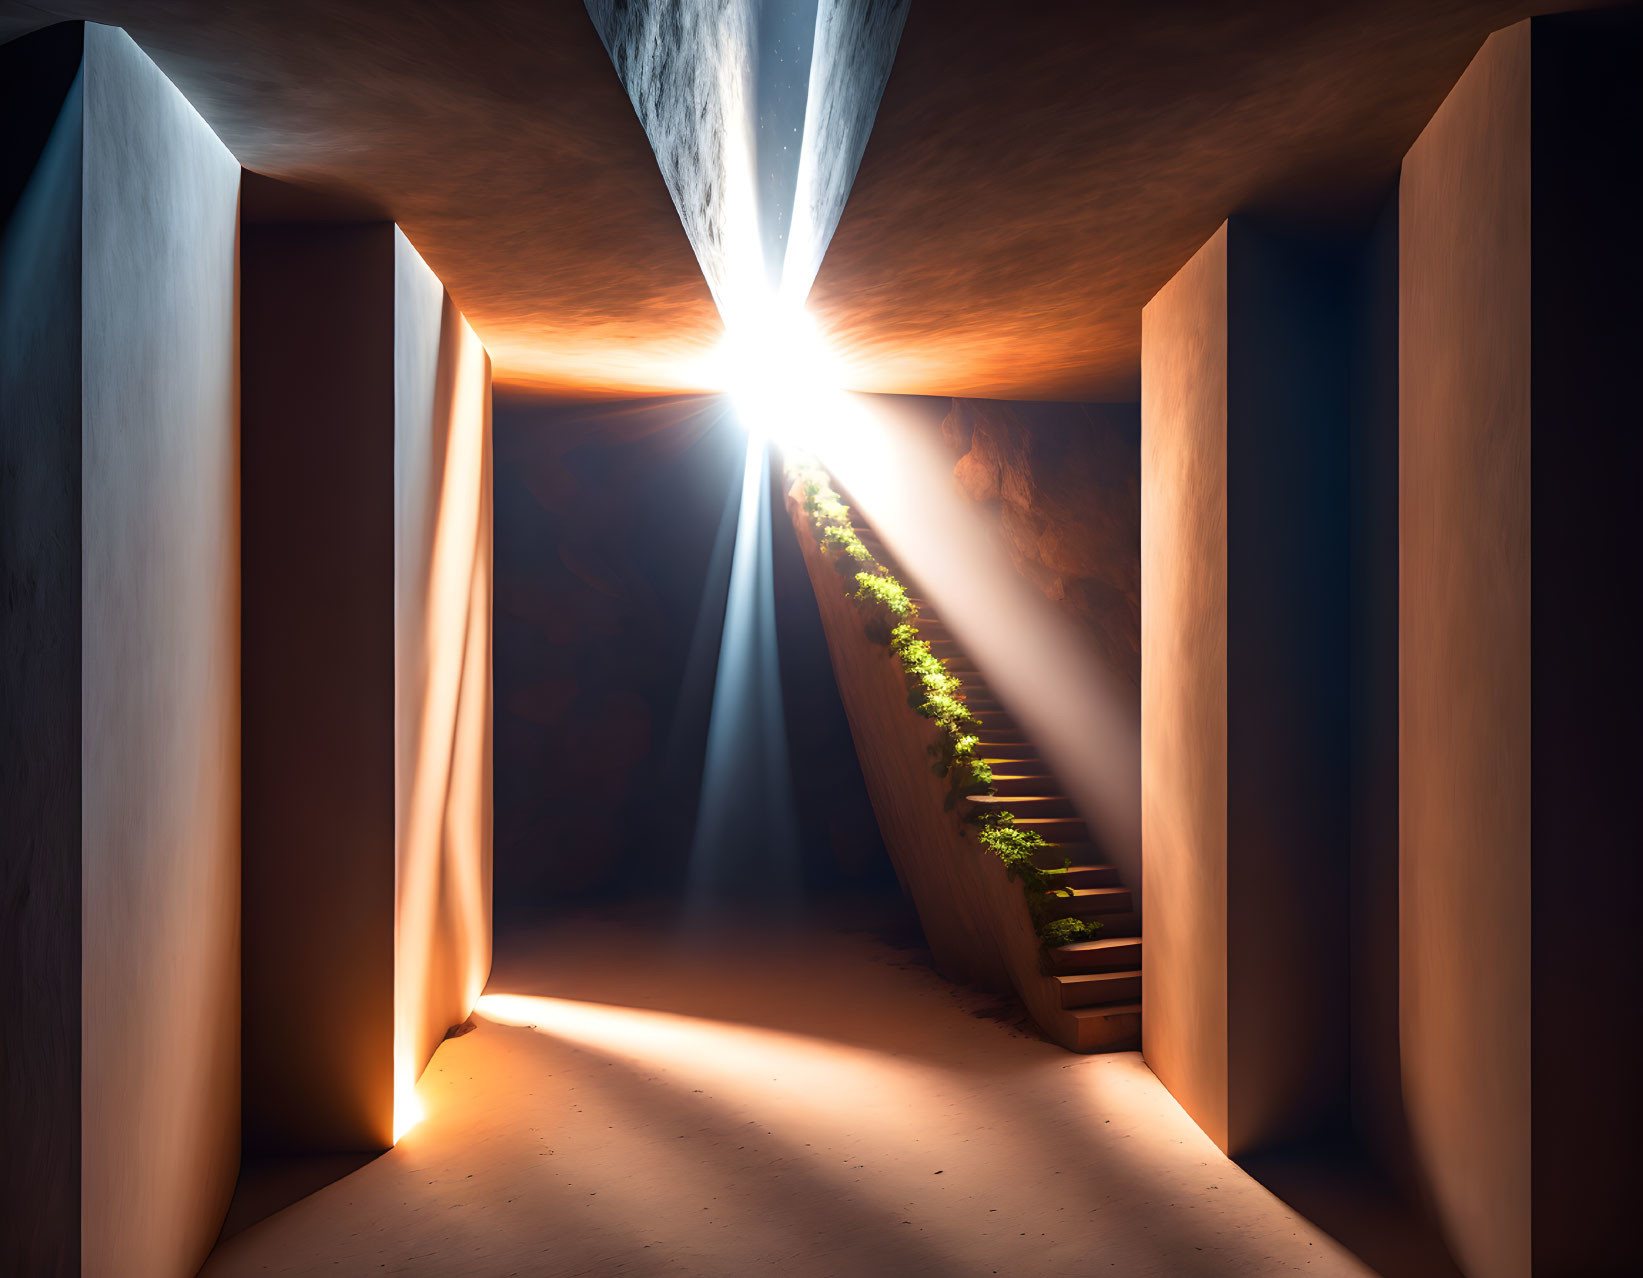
(1520, 696)
(1243, 688)
(367, 473)
(120, 680)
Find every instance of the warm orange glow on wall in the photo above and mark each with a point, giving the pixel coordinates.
(442, 676)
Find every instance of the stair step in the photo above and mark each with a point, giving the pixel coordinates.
(1091, 989)
(1086, 876)
(996, 752)
(1025, 805)
(1056, 829)
(1113, 1027)
(1110, 953)
(1013, 782)
(1052, 856)
(1118, 925)
(1031, 767)
(1091, 903)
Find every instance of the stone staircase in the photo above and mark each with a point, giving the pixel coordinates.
(1097, 982)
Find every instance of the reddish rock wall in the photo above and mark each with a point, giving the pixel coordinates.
(1061, 488)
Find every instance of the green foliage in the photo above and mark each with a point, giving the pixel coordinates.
(939, 696)
(1019, 850)
(881, 590)
(1054, 932)
(945, 709)
(950, 750)
(965, 778)
(926, 673)
(843, 541)
(823, 504)
(931, 691)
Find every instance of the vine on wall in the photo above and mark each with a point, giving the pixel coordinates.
(937, 694)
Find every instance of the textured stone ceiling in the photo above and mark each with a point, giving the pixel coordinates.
(1037, 171)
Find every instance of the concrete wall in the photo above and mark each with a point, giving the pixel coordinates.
(160, 682)
(368, 666)
(443, 549)
(40, 203)
(131, 408)
(1467, 725)
(1519, 694)
(1464, 656)
(1244, 755)
(319, 686)
(1184, 685)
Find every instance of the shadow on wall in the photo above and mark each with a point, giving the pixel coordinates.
(614, 525)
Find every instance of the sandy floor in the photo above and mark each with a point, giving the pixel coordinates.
(810, 1102)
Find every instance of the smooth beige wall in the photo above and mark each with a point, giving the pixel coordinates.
(1184, 684)
(442, 668)
(1464, 684)
(160, 683)
(1244, 675)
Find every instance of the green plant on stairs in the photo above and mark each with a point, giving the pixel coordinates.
(937, 694)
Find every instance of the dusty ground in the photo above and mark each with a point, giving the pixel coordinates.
(808, 1101)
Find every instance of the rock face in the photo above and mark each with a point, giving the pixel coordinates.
(1060, 485)
(855, 44)
(706, 81)
(688, 70)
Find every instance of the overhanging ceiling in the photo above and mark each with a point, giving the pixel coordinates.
(1035, 174)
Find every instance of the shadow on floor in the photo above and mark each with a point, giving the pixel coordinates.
(1337, 1189)
(270, 1184)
